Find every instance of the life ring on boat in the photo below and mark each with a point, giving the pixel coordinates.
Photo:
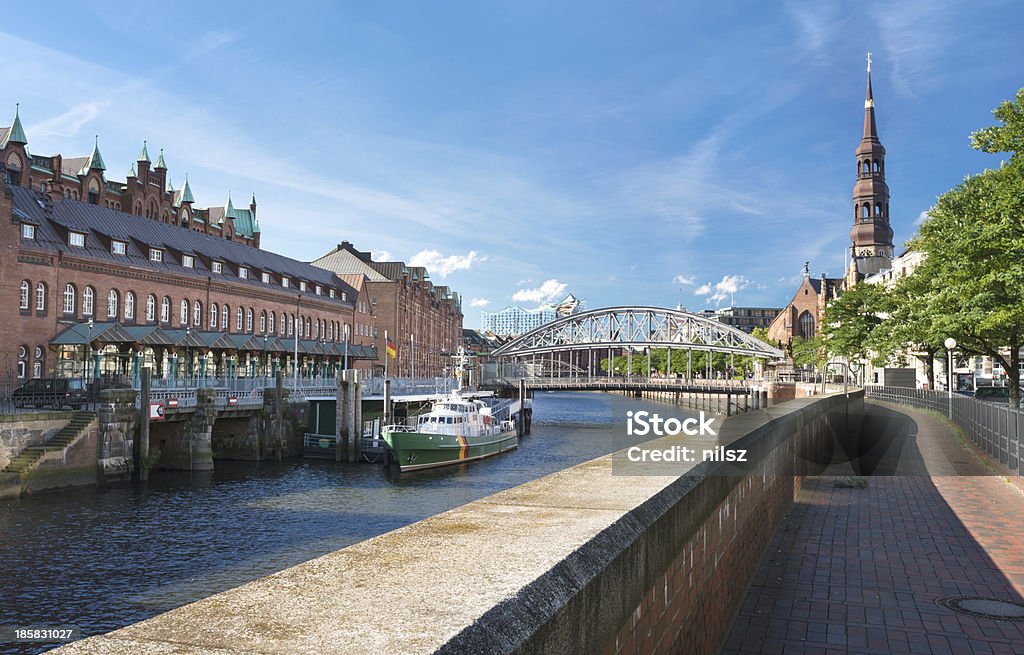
(487, 420)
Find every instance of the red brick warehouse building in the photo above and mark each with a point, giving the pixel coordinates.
(100, 278)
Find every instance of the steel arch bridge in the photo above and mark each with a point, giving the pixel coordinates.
(635, 328)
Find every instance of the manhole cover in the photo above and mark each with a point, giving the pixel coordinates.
(988, 608)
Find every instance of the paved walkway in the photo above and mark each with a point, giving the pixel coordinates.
(859, 570)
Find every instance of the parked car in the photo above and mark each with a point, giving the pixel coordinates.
(993, 394)
(51, 392)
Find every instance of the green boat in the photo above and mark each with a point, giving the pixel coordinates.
(455, 430)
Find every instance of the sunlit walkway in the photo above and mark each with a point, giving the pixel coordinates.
(859, 570)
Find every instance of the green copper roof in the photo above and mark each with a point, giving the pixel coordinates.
(144, 155)
(170, 185)
(243, 220)
(186, 192)
(256, 227)
(160, 161)
(95, 160)
(253, 201)
(131, 172)
(17, 133)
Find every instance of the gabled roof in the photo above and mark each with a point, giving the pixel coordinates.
(101, 224)
(343, 261)
(95, 161)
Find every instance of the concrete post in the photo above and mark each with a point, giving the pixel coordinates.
(141, 449)
(387, 401)
(279, 414)
(357, 411)
(341, 418)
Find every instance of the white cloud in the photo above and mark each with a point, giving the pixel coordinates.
(383, 256)
(444, 265)
(549, 291)
(921, 218)
(479, 302)
(723, 290)
(685, 280)
(68, 123)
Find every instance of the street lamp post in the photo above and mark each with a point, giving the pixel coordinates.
(950, 344)
(88, 348)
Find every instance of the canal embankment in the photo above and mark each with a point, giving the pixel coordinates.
(594, 558)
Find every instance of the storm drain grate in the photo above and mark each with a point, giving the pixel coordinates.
(986, 608)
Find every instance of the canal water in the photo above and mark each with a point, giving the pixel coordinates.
(100, 558)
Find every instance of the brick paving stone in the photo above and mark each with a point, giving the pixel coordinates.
(858, 570)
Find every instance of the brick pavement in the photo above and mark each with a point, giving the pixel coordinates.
(859, 570)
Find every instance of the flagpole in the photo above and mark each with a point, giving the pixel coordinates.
(387, 355)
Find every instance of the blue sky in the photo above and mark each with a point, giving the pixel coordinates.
(652, 153)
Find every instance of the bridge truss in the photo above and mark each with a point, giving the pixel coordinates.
(630, 330)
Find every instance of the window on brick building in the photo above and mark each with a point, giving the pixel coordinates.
(76, 239)
(238, 320)
(270, 323)
(37, 364)
(344, 296)
(217, 267)
(151, 308)
(183, 314)
(248, 320)
(156, 255)
(284, 323)
(165, 310)
(112, 304)
(22, 355)
(23, 302)
(330, 292)
(197, 314)
(28, 231)
(213, 316)
(285, 282)
(88, 301)
(129, 306)
(307, 328)
(263, 322)
(265, 277)
(243, 272)
(225, 312)
(302, 285)
(40, 297)
(118, 247)
(319, 290)
(69, 298)
(291, 325)
(188, 261)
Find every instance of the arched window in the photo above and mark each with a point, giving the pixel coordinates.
(291, 325)
(23, 301)
(867, 167)
(263, 322)
(37, 365)
(22, 356)
(867, 210)
(197, 314)
(151, 308)
(88, 301)
(238, 320)
(213, 316)
(270, 324)
(225, 312)
(129, 306)
(878, 210)
(40, 297)
(307, 327)
(183, 318)
(248, 320)
(284, 323)
(69, 298)
(112, 304)
(165, 310)
(806, 325)
(875, 165)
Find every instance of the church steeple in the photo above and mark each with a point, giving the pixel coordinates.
(871, 236)
(17, 133)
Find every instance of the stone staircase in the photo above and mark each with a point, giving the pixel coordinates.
(66, 436)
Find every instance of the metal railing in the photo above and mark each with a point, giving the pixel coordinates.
(995, 428)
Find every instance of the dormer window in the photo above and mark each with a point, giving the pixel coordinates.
(188, 261)
(319, 290)
(156, 255)
(218, 267)
(266, 278)
(302, 285)
(243, 272)
(331, 292)
(28, 231)
(344, 295)
(118, 247)
(285, 282)
(76, 239)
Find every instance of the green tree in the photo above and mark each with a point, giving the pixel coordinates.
(911, 326)
(974, 241)
(851, 320)
(808, 352)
